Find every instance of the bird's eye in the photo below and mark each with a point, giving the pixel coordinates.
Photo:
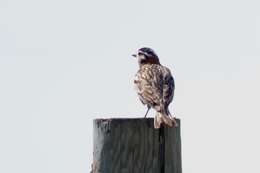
(140, 53)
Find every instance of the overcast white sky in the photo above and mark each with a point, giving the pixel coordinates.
(64, 63)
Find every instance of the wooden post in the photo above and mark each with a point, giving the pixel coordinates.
(134, 146)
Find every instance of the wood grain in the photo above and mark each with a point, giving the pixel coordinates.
(132, 146)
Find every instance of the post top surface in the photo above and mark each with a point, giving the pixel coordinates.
(125, 119)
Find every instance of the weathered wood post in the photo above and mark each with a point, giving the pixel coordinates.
(134, 146)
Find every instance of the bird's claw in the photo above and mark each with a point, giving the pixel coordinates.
(174, 121)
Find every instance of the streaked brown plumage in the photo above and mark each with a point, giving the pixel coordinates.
(155, 86)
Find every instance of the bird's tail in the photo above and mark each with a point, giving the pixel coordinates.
(163, 118)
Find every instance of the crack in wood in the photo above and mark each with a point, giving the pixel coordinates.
(162, 149)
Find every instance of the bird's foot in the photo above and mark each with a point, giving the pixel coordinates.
(175, 124)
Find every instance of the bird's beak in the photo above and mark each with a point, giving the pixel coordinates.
(134, 55)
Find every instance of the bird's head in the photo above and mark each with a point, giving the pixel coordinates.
(146, 55)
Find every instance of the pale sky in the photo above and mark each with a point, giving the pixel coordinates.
(64, 63)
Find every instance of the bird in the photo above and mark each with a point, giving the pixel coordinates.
(155, 86)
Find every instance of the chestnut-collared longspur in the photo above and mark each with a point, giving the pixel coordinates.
(155, 86)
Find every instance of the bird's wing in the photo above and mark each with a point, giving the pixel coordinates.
(149, 85)
(168, 87)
